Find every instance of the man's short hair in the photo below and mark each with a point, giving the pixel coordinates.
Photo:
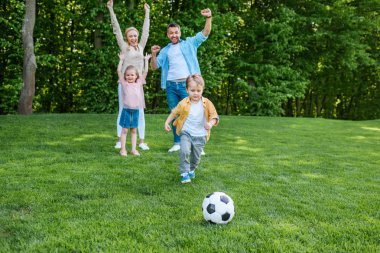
(173, 25)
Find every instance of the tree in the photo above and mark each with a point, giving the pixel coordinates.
(263, 57)
(98, 31)
(30, 66)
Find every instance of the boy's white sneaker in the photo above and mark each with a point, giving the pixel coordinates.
(185, 178)
(175, 148)
(203, 152)
(118, 144)
(144, 146)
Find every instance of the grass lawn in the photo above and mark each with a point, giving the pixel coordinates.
(299, 185)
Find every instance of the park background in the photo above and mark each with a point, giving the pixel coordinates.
(264, 58)
(302, 183)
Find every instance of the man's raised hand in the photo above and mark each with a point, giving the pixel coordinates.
(155, 49)
(206, 13)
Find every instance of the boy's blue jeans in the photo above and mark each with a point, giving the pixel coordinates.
(175, 92)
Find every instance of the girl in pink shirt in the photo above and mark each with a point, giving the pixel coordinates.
(133, 100)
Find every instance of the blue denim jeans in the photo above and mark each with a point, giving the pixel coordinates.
(175, 92)
(129, 118)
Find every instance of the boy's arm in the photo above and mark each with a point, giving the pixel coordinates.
(167, 122)
(174, 113)
(213, 117)
(211, 123)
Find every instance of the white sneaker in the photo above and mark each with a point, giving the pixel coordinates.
(144, 146)
(118, 144)
(203, 153)
(175, 147)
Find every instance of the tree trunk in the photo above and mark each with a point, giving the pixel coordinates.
(289, 112)
(228, 96)
(98, 32)
(132, 4)
(298, 107)
(30, 66)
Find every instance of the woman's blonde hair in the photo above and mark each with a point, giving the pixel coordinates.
(197, 78)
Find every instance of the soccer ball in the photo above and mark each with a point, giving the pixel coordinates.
(218, 208)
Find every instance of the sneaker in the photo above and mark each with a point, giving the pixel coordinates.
(185, 178)
(203, 153)
(143, 146)
(118, 144)
(175, 148)
(192, 174)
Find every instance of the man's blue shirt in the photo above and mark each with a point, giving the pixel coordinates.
(189, 50)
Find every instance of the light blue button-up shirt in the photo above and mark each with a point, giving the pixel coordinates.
(189, 50)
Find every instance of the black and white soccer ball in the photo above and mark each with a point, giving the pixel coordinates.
(218, 208)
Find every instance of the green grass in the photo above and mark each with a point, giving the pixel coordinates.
(299, 185)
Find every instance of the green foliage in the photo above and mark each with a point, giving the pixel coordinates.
(10, 94)
(99, 94)
(340, 50)
(267, 60)
(293, 58)
(70, 190)
(11, 55)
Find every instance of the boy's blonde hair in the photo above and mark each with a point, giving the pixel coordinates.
(197, 78)
(131, 67)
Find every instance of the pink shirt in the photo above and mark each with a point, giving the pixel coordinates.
(133, 94)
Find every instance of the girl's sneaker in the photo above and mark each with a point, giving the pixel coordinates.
(185, 178)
